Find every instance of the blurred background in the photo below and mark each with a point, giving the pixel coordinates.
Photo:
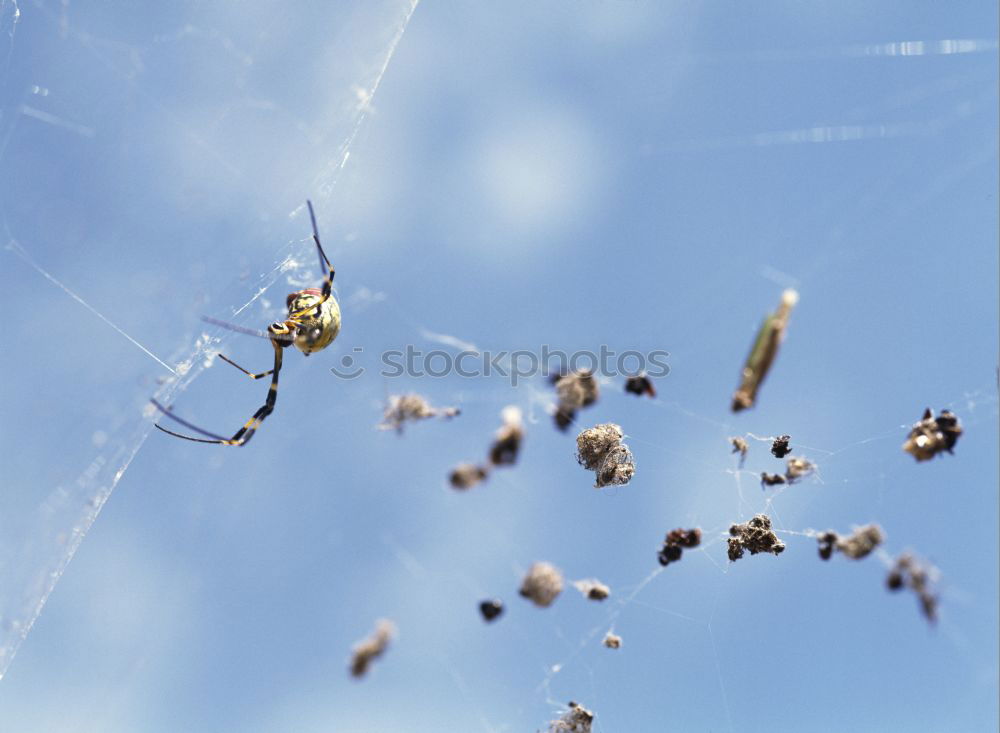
(637, 175)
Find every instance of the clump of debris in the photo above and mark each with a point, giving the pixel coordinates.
(576, 720)
(367, 650)
(933, 435)
(765, 348)
(600, 449)
(503, 451)
(780, 447)
(574, 390)
(405, 408)
(491, 609)
(754, 536)
(859, 544)
(542, 585)
(796, 468)
(640, 385)
(919, 578)
(592, 589)
(740, 446)
(675, 543)
(612, 641)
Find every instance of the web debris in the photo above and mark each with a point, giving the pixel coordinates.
(600, 449)
(411, 408)
(765, 349)
(503, 451)
(576, 720)
(754, 536)
(371, 648)
(542, 584)
(919, 577)
(857, 545)
(933, 435)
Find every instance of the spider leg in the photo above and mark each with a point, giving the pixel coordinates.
(324, 261)
(167, 411)
(243, 435)
(286, 338)
(325, 265)
(249, 374)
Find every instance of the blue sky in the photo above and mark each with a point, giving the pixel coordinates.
(573, 174)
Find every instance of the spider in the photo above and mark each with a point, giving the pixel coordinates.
(313, 323)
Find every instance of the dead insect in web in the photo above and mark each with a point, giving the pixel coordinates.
(780, 447)
(599, 449)
(918, 577)
(542, 584)
(797, 468)
(467, 475)
(405, 408)
(772, 479)
(575, 390)
(762, 354)
(491, 609)
(592, 589)
(313, 323)
(753, 536)
(612, 641)
(366, 651)
(507, 442)
(933, 435)
(576, 720)
(740, 446)
(640, 385)
(675, 543)
(860, 543)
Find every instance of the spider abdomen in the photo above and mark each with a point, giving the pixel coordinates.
(313, 331)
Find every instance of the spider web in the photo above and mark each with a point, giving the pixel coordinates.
(469, 206)
(50, 511)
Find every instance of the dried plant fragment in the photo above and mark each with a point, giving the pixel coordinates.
(576, 720)
(575, 390)
(612, 641)
(507, 442)
(765, 348)
(933, 435)
(780, 447)
(592, 589)
(542, 585)
(491, 609)
(740, 446)
(640, 385)
(919, 578)
(411, 408)
(754, 536)
(467, 475)
(599, 449)
(675, 543)
(374, 646)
